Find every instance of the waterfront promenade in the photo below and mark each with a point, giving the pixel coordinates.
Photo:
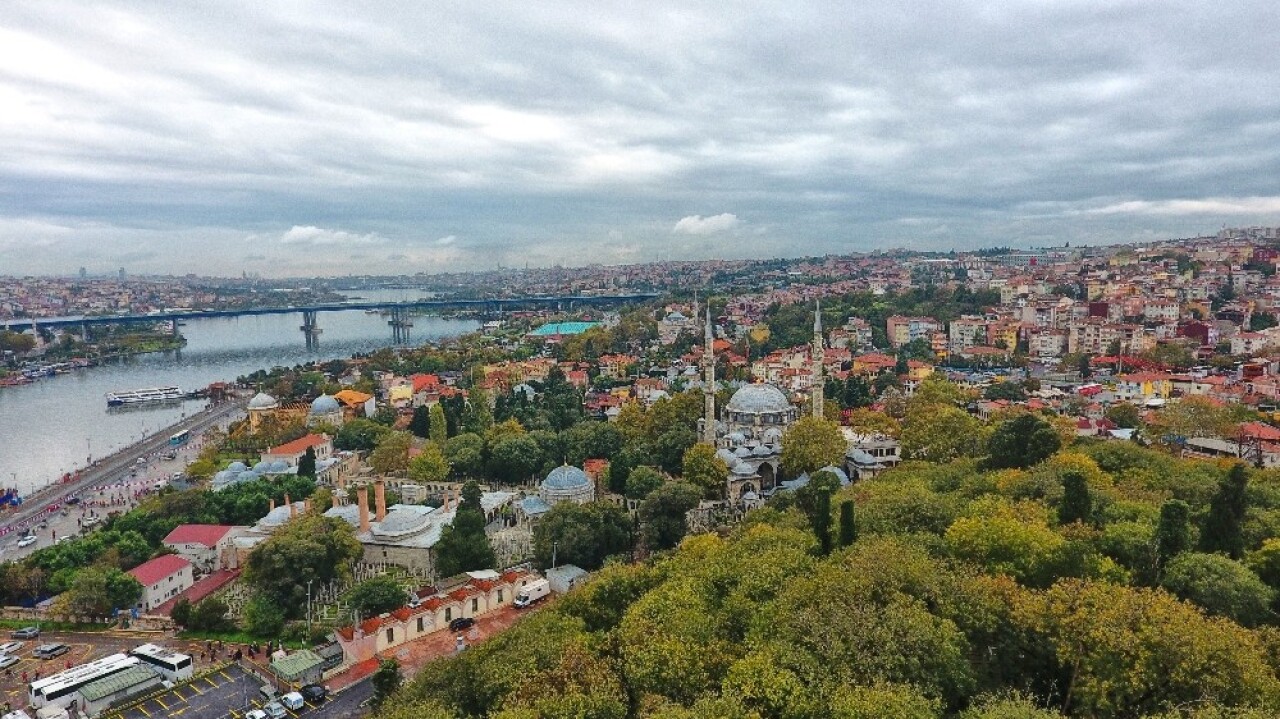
(112, 468)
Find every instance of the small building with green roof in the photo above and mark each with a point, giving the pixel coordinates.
(97, 697)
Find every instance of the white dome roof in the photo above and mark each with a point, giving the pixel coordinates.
(566, 477)
(759, 399)
(262, 400)
(324, 404)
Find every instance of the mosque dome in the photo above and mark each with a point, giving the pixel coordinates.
(324, 404)
(773, 435)
(742, 452)
(247, 476)
(762, 451)
(744, 469)
(237, 467)
(759, 399)
(279, 466)
(262, 466)
(566, 477)
(262, 400)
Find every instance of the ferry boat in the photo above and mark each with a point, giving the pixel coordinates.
(144, 396)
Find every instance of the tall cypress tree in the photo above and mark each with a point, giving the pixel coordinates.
(848, 529)
(1173, 535)
(1077, 505)
(420, 425)
(307, 463)
(1222, 527)
(821, 521)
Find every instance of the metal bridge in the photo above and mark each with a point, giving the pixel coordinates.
(399, 321)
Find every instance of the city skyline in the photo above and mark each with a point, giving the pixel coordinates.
(394, 141)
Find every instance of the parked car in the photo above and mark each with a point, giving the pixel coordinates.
(275, 710)
(293, 700)
(7, 661)
(256, 714)
(10, 647)
(25, 633)
(73, 500)
(49, 651)
(27, 541)
(314, 693)
(535, 591)
(461, 623)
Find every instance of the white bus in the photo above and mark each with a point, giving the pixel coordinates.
(60, 689)
(174, 666)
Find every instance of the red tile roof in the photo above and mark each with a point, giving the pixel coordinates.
(298, 446)
(152, 572)
(206, 534)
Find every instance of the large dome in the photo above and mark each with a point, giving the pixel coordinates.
(566, 477)
(324, 404)
(262, 400)
(759, 399)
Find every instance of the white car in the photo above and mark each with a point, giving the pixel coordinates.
(256, 714)
(7, 661)
(27, 541)
(275, 710)
(10, 647)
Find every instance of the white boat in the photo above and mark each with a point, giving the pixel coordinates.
(143, 396)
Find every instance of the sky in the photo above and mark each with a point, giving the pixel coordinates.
(293, 139)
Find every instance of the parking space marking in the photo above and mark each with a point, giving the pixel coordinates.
(224, 674)
(214, 684)
(162, 704)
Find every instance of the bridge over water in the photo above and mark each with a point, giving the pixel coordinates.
(399, 311)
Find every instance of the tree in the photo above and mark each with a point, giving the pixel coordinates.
(439, 427)
(1124, 415)
(940, 434)
(465, 453)
(670, 446)
(867, 421)
(385, 682)
(307, 463)
(430, 466)
(620, 467)
(810, 444)
(1173, 534)
(263, 617)
(581, 534)
(589, 440)
(642, 481)
(1022, 442)
(1222, 527)
(478, 416)
(703, 469)
(309, 547)
(463, 545)
(420, 424)
(662, 514)
(210, 615)
(360, 435)
(515, 459)
(1009, 391)
(181, 614)
(848, 527)
(823, 484)
(1221, 585)
(391, 456)
(1077, 504)
(376, 595)
(97, 591)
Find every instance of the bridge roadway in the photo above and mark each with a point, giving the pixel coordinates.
(112, 467)
(481, 304)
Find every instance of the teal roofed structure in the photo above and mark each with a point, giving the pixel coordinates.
(559, 329)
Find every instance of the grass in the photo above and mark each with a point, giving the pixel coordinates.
(46, 626)
(236, 637)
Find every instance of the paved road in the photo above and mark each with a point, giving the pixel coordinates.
(231, 692)
(114, 467)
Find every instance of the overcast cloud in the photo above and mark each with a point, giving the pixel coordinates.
(289, 138)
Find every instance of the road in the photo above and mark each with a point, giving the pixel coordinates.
(113, 468)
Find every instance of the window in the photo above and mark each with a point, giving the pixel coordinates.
(391, 635)
(499, 596)
(419, 625)
(475, 605)
(448, 613)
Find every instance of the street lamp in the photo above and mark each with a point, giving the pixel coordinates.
(309, 581)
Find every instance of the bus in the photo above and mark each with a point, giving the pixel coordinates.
(172, 665)
(180, 438)
(61, 689)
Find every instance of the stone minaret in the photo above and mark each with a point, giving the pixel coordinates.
(816, 391)
(709, 384)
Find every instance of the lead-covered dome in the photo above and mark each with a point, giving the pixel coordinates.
(566, 477)
(759, 399)
(262, 400)
(325, 404)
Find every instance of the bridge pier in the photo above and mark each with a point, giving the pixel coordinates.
(84, 332)
(310, 329)
(400, 325)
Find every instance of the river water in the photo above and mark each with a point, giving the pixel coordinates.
(54, 425)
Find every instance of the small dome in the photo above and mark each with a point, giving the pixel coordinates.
(742, 452)
(759, 399)
(237, 467)
(566, 477)
(324, 404)
(839, 473)
(262, 400)
(773, 435)
(247, 476)
(727, 456)
(279, 466)
(743, 469)
(261, 467)
(736, 437)
(761, 451)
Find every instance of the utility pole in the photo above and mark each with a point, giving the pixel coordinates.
(554, 547)
(309, 581)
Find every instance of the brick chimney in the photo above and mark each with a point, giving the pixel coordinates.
(380, 499)
(334, 497)
(272, 506)
(362, 499)
(306, 505)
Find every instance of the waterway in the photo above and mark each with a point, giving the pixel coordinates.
(54, 425)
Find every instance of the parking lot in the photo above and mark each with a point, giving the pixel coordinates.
(83, 647)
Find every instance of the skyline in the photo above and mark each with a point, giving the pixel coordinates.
(317, 141)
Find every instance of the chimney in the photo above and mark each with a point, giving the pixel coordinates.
(334, 497)
(306, 505)
(445, 506)
(362, 499)
(380, 499)
(273, 505)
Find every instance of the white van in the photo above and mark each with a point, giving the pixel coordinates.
(532, 592)
(293, 700)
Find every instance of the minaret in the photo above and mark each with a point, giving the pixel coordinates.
(816, 390)
(709, 384)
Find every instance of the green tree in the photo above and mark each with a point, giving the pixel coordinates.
(386, 681)
(581, 534)
(360, 435)
(703, 469)
(465, 453)
(515, 459)
(848, 526)
(463, 545)
(1173, 534)
(439, 431)
(376, 595)
(210, 615)
(420, 423)
(591, 440)
(939, 433)
(1022, 442)
(1009, 391)
(810, 444)
(1077, 503)
(1222, 526)
(99, 591)
(429, 466)
(670, 446)
(391, 456)
(181, 614)
(1124, 415)
(478, 416)
(309, 547)
(642, 482)
(262, 617)
(1222, 586)
(662, 514)
(307, 463)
